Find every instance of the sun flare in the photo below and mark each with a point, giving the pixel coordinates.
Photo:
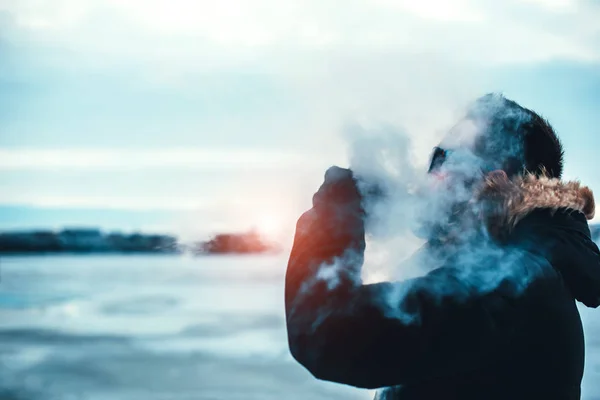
(269, 224)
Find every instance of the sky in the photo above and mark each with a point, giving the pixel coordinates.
(197, 116)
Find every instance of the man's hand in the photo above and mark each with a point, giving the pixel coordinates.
(336, 221)
(331, 233)
(338, 192)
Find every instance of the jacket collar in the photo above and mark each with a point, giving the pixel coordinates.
(507, 201)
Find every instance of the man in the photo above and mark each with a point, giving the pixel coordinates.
(496, 316)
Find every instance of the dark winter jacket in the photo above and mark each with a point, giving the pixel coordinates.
(499, 324)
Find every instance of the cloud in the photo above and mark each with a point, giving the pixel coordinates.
(121, 159)
(192, 85)
(205, 33)
(331, 59)
(152, 65)
(109, 202)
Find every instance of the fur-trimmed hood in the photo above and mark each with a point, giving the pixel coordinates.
(512, 200)
(564, 240)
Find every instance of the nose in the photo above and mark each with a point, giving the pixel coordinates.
(437, 180)
(438, 175)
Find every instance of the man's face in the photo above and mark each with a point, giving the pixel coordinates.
(455, 169)
(478, 144)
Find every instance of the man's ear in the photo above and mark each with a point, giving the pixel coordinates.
(512, 166)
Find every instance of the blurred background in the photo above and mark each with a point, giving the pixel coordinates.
(154, 156)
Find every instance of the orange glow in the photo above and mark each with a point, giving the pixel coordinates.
(269, 224)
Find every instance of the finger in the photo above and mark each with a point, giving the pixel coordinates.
(339, 188)
(337, 174)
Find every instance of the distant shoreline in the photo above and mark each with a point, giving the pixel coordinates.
(92, 241)
(88, 253)
(133, 255)
(85, 240)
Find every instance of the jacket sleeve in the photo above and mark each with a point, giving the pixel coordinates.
(384, 334)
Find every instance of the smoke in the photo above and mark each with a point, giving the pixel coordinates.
(406, 206)
(381, 160)
(341, 268)
(388, 177)
(417, 220)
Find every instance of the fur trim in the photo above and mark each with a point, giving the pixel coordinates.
(509, 201)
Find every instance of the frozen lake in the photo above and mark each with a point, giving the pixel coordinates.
(162, 327)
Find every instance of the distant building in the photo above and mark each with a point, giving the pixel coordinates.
(42, 241)
(236, 243)
(83, 239)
